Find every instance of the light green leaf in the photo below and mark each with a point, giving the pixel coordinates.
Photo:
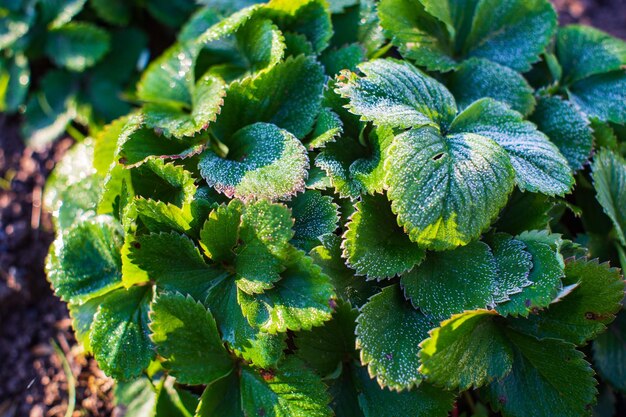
(446, 190)
(448, 283)
(290, 391)
(601, 96)
(468, 350)
(159, 217)
(173, 401)
(315, 215)
(566, 127)
(77, 46)
(397, 94)
(185, 335)
(85, 262)
(119, 333)
(300, 300)
(538, 164)
(137, 396)
(82, 317)
(347, 57)
(609, 353)
(478, 78)
(220, 232)
(609, 180)
(388, 334)
(263, 161)
(374, 245)
(165, 182)
(14, 82)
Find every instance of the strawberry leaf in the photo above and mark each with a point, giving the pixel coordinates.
(77, 46)
(315, 216)
(609, 180)
(608, 353)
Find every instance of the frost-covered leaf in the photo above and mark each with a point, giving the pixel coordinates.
(447, 190)
(290, 391)
(468, 350)
(513, 263)
(14, 82)
(328, 128)
(119, 333)
(438, 34)
(315, 215)
(584, 313)
(220, 232)
(609, 180)
(609, 353)
(601, 96)
(300, 300)
(549, 377)
(185, 335)
(288, 95)
(397, 94)
(478, 78)
(450, 282)
(538, 164)
(263, 161)
(374, 245)
(77, 46)
(388, 334)
(85, 262)
(566, 127)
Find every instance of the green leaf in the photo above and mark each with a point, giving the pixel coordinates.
(601, 96)
(165, 182)
(609, 353)
(82, 316)
(186, 272)
(290, 391)
(584, 51)
(468, 350)
(172, 401)
(538, 164)
(220, 232)
(171, 13)
(345, 400)
(221, 398)
(175, 103)
(326, 348)
(56, 13)
(423, 401)
(478, 78)
(550, 370)
(328, 128)
(14, 82)
(137, 396)
(513, 263)
(446, 190)
(300, 300)
(185, 335)
(397, 94)
(115, 12)
(585, 312)
(448, 283)
(609, 180)
(315, 216)
(567, 128)
(374, 245)
(119, 333)
(388, 333)
(84, 262)
(263, 161)
(288, 95)
(525, 211)
(347, 57)
(15, 23)
(77, 46)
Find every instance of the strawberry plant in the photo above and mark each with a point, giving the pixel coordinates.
(402, 208)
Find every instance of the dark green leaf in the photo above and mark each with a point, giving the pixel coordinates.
(77, 46)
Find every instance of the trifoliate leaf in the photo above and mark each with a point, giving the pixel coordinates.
(609, 353)
(388, 333)
(264, 350)
(300, 300)
(513, 263)
(328, 128)
(448, 283)
(119, 333)
(175, 103)
(221, 398)
(397, 94)
(84, 262)
(566, 127)
(290, 391)
(468, 350)
(437, 34)
(315, 216)
(174, 263)
(478, 78)
(549, 377)
(374, 245)
(185, 335)
(584, 51)
(601, 96)
(446, 190)
(538, 164)
(423, 401)
(287, 95)
(14, 82)
(545, 276)
(115, 12)
(263, 161)
(585, 312)
(609, 180)
(77, 46)
(326, 348)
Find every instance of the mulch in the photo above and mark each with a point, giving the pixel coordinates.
(34, 324)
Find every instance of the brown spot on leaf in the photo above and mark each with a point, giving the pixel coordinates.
(591, 316)
(502, 399)
(136, 245)
(267, 374)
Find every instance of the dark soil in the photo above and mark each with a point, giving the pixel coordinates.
(33, 320)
